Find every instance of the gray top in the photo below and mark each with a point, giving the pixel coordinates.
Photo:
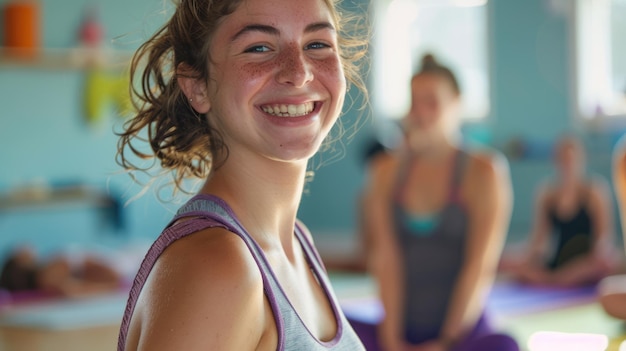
(433, 250)
(209, 212)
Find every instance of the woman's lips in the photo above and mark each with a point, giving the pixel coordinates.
(289, 110)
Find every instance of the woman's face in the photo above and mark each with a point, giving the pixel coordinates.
(434, 104)
(569, 158)
(276, 83)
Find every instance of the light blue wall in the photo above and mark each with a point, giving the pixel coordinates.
(44, 136)
(530, 58)
(530, 52)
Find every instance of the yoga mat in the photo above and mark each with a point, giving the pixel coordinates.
(511, 298)
(67, 314)
(516, 310)
(505, 300)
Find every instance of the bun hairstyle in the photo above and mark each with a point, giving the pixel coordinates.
(429, 62)
(430, 65)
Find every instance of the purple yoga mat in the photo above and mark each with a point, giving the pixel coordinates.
(506, 298)
(514, 298)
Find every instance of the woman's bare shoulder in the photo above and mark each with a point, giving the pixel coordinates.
(386, 166)
(488, 165)
(599, 188)
(205, 289)
(217, 251)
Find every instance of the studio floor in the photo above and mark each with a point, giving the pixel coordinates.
(572, 315)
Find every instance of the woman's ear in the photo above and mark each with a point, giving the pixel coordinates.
(195, 89)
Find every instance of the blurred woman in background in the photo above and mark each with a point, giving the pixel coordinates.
(574, 212)
(75, 275)
(438, 215)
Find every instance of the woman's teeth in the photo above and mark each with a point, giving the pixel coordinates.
(289, 110)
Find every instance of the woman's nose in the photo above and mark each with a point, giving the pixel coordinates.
(294, 68)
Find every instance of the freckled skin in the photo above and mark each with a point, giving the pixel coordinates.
(288, 70)
(290, 60)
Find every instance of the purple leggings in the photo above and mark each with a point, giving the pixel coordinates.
(481, 338)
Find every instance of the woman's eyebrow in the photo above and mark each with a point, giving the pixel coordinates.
(263, 28)
(255, 28)
(314, 27)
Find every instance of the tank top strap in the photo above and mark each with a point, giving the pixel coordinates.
(406, 163)
(309, 249)
(317, 265)
(208, 212)
(461, 158)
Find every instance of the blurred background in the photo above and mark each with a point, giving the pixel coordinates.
(531, 71)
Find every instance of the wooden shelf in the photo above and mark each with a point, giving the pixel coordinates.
(64, 59)
(41, 197)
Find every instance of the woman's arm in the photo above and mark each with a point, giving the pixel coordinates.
(538, 241)
(204, 293)
(619, 181)
(384, 260)
(488, 201)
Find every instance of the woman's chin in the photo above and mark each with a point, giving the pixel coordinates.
(297, 150)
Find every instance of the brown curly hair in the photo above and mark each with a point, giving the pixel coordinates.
(182, 141)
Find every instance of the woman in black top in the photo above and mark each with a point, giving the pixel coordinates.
(574, 213)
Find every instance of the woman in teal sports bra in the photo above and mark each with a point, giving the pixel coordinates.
(239, 94)
(439, 215)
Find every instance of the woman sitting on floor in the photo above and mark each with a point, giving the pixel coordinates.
(437, 214)
(574, 211)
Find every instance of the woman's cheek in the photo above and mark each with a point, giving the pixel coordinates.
(332, 70)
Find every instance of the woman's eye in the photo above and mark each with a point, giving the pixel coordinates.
(258, 48)
(317, 45)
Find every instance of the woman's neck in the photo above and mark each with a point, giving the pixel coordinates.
(571, 182)
(430, 146)
(264, 194)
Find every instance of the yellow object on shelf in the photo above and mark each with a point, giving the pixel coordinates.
(103, 88)
(65, 58)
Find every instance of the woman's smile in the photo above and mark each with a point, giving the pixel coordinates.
(289, 110)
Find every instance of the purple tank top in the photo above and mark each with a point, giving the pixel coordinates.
(210, 212)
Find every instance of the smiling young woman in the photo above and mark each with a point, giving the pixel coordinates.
(240, 94)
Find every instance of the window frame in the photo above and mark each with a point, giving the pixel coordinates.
(581, 54)
(378, 108)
